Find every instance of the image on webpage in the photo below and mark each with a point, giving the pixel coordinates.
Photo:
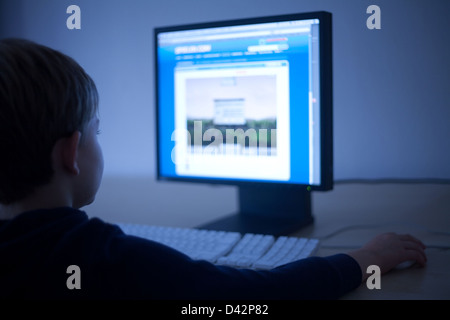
(234, 117)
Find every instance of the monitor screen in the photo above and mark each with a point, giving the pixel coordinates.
(246, 101)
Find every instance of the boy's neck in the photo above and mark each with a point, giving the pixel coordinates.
(45, 197)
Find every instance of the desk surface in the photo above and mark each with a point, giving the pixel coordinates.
(351, 215)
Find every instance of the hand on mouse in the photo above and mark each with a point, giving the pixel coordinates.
(388, 250)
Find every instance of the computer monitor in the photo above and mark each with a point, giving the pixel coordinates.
(249, 103)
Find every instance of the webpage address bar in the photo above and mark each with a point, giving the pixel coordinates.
(220, 36)
(237, 35)
(291, 30)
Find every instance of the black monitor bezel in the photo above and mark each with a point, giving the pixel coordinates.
(326, 98)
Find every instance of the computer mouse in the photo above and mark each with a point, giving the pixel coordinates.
(405, 264)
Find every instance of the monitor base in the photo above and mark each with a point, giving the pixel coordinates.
(243, 223)
(276, 210)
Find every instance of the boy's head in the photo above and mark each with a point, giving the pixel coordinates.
(46, 100)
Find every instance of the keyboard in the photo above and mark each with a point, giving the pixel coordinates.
(253, 251)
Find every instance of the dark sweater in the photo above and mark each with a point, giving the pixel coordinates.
(37, 247)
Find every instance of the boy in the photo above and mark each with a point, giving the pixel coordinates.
(51, 166)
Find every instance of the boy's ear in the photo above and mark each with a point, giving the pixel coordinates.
(70, 152)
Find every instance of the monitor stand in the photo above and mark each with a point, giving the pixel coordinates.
(275, 210)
